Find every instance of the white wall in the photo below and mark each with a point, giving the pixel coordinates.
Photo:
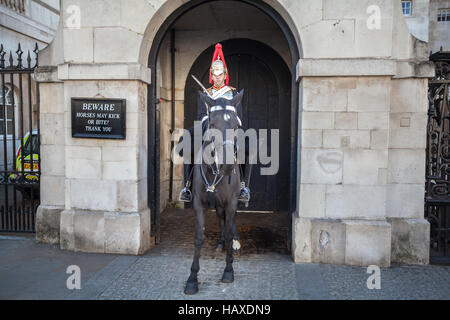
(418, 22)
(36, 24)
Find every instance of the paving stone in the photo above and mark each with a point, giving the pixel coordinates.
(263, 270)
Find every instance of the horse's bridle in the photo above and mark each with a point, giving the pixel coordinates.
(211, 187)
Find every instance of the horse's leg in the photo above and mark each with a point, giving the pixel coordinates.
(236, 244)
(228, 273)
(221, 216)
(192, 282)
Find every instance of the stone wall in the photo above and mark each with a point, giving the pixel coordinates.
(406, 173)
(419, 21)
(344, 165)
(28, 22)
(362, 166)
(439, 35)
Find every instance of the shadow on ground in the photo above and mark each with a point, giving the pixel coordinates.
(258, 232)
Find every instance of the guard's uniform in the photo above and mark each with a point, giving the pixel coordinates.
(218, 66)
(226, 92)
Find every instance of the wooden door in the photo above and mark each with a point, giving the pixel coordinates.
(266, 105)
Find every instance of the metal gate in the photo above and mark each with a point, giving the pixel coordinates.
(437, 186)
(19, 136)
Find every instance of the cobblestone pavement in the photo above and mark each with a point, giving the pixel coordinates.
(164, 277)
(263, 270)
(405, 282)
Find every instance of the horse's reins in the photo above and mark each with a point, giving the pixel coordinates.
(211, 187)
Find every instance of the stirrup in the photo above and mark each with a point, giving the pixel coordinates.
(185, 195)
(245, 200)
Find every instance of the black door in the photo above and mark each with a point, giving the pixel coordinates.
(265, 77)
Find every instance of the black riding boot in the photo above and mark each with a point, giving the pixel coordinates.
(245, 193)
(244, 196)
(185, 193)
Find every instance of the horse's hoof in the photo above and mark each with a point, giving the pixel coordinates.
(219, 247)
(191, 288)
(228, 277)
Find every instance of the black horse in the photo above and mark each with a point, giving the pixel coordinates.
(216, 183)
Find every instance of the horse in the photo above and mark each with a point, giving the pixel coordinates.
(216, 183)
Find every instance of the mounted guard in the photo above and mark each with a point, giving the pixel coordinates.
(219, 78)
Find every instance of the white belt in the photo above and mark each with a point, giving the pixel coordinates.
(239, 120)
(217, 108)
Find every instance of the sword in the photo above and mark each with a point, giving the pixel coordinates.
(205, 91)
(201, 85)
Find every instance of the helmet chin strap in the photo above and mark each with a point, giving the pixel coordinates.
(220, 85)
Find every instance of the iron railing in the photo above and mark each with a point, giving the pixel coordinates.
(437, 186)
(19, 134)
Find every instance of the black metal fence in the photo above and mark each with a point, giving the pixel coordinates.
(437, 186)
(19, 134)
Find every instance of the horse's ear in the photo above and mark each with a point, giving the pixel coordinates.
(206, 99)
(238, 98)
(203, 97)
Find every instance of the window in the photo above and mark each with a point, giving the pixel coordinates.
(27, 146)
(407, 8)
(7, 114)
(443, 15)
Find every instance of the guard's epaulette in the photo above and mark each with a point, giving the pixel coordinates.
(210, 90)
(232, 88)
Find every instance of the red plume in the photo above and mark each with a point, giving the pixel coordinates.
(218, 53)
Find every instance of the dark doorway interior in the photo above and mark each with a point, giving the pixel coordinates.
(259, 233)
(263, 74)
(287, 86)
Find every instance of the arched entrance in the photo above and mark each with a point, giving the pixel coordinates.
(291, 107)
(259, 70)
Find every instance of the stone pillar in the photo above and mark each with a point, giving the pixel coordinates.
(94, 191)
(356, 170)
(406, 172)
(101, 190)
(52, 180)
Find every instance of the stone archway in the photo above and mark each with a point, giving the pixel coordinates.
(154, 120)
